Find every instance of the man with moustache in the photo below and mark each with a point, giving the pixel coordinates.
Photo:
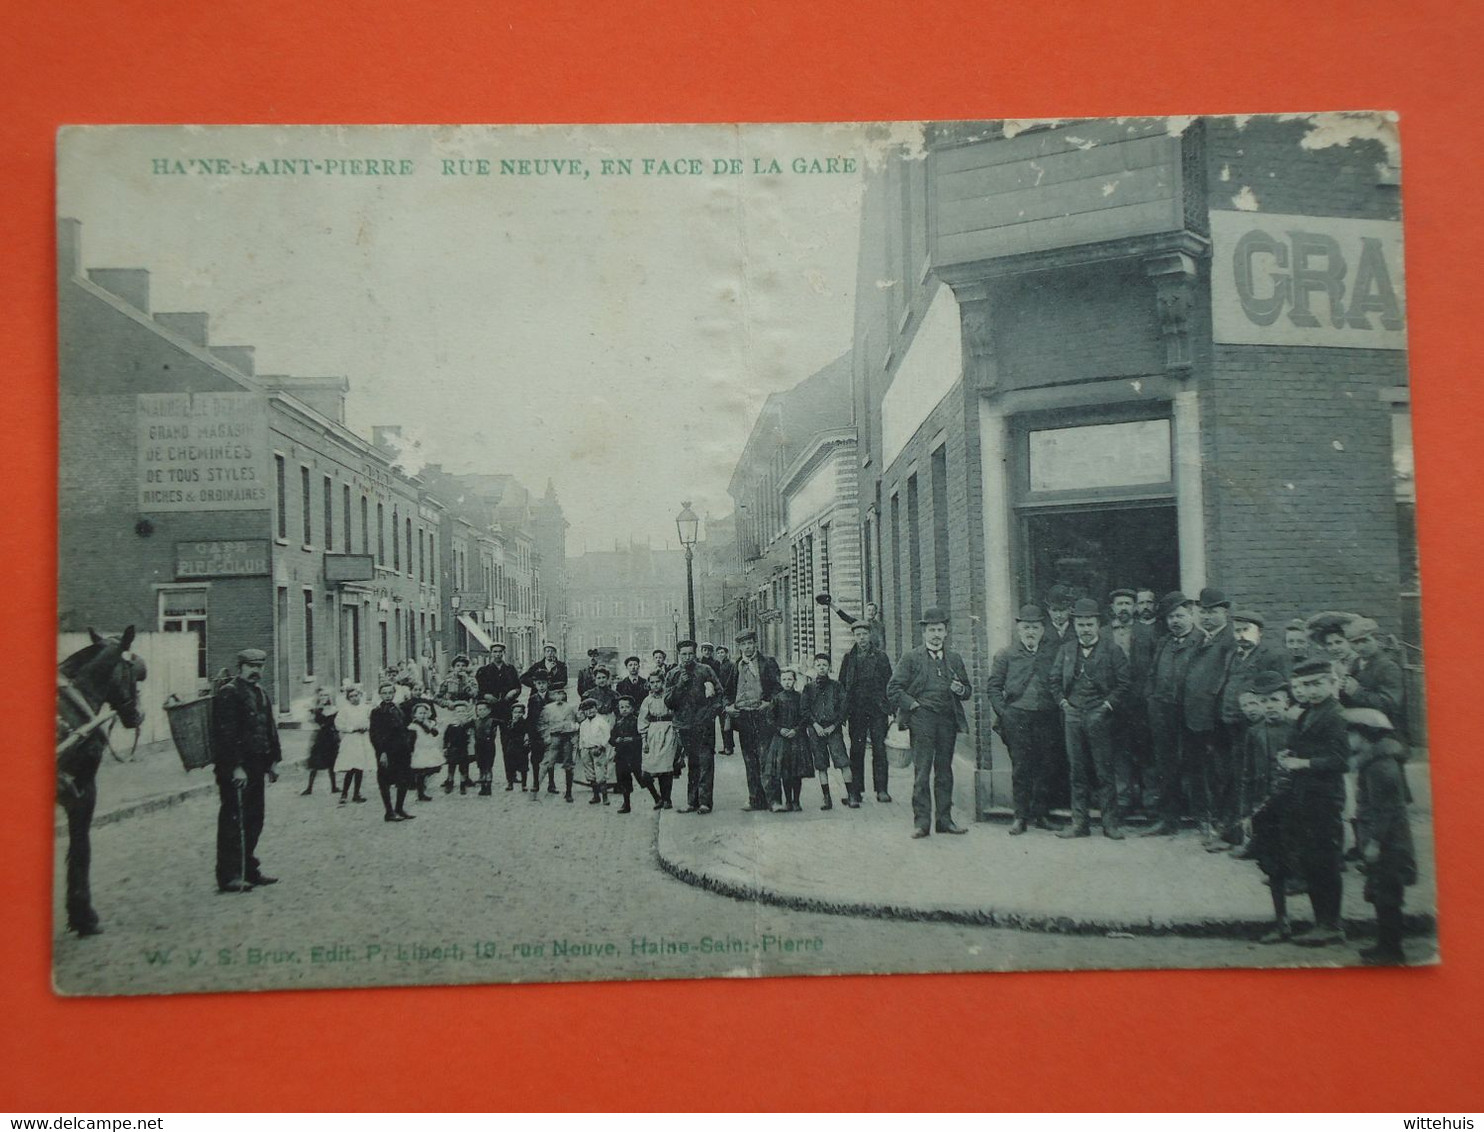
(1172, 656)
(499, 682)
(244, 750)
(1131, 751)
(1249, 658)
(1146, 608)
(1204, 681)
(693, 693)
(753, 684)
(1020, 690)
(1092, 680)
(928, 691)
(1059, 610)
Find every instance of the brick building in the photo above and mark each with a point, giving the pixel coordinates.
(797, 527)
(1129, 352)
(197, 496)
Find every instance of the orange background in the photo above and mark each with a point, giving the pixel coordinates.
(1166, 1040)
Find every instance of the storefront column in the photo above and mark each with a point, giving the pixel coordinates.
(999, 586)
(1190, 493)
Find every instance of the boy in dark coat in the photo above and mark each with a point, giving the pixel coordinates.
(824, 707)
(456, 738)
(1384, 834)
(486, 730)
(393, 752)
(515, 746)
(628, 753)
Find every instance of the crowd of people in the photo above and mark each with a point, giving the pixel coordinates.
(1176, 710)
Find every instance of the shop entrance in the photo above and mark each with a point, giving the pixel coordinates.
(1097, 550)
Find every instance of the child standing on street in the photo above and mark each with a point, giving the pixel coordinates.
(427, 759)
(516, 749)
(789, 760)
(326, 743)
(535, 705)
(486, 728)
(628, 753)
(558, 726)
(356, 756)
(661, 744)
(594, 758)
(1383, 833)
(456, 738)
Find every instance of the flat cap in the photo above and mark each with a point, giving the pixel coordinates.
(1267, 682)
(1315, 666)
(1122, 593)
(684, 645)
(1367, 717)
(746, 635)
(1297, 625)
(1248, 616)
(1361, 627)
(252, 656)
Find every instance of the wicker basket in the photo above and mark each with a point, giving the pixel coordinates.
(190, 728)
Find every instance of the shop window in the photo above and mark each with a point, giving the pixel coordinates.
(184, 611)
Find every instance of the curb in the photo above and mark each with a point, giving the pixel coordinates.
(152, 804)
(1416, 923)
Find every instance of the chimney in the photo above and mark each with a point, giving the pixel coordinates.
(128, 283)
(69, 248)
(238, 357)
(325, 395)
(190, 325)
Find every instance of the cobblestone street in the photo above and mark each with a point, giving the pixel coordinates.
(498, 889)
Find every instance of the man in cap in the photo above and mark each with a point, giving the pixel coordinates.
(1021, 692)
(499, 683)
(693, 693)
(1172, 656)
(1204, 681)
(548, 666)
(728, 673)
(244, 749)
(1131, 747)
(872, 621)
(864, 674)
(1092, 680)
(753, 683)
(459, 686)
(1249, 657)
(588, 676)
(928, 691)
(823, 704)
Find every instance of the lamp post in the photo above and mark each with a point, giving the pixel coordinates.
(685, 526)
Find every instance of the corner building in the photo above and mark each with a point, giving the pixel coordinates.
(1131, 353)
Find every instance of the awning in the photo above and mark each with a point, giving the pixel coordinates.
(475, 630)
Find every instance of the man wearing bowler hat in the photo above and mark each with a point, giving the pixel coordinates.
(1250, 657)
(244, 749)
(1092, 680)
(1131, 747)
(1204, 681)
(928, 691)
(1021, 691)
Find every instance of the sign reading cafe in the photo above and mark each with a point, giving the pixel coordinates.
(202, 452)
(1281, 280)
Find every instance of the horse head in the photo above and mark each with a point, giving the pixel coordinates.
(107, 671)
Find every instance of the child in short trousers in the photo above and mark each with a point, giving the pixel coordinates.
(594, 759)
(1383, 831)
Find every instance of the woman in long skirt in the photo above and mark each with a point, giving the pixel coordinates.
(661, 744)
(356, 759)
(325, 745)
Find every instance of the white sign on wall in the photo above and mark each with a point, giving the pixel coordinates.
(202, 452)
(1279, 280)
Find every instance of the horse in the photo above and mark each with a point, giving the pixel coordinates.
(104, 674)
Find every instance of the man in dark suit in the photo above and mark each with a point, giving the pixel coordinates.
(554, 670)
(753, 683)
(1023, 692)
(1173, 652)
(244, 749)
(864, 674)
(928, 691)
(728, 673)
(500, 682)
(632, 684)
(1132, 757)
(1250, 657)
(1093, 679)
(693, 694)
(1374, 680)
(1204, 681)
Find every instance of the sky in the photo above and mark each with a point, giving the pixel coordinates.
(615, 333)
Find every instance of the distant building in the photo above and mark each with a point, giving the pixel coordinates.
(631, 598)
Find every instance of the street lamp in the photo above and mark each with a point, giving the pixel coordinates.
(685, 526)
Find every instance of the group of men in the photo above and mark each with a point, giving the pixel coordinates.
(1147, 703)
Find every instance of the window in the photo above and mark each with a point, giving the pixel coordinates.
(306, 501)
(345, 514)
(329, 514)
(409, 547)
(422, 557)
(941, 574)
(184, 611)
(365, 525)
(308, 632)
(279, 474)
(381, 550)
(914, 549)
(396, 546)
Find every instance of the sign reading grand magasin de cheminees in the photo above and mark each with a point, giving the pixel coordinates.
(202, 452)
(1281, 280)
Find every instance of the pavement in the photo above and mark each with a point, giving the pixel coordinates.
(864, 863)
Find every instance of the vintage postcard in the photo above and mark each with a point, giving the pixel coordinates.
(511, 554)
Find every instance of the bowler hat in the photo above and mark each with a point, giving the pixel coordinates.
(252, 656)
(1031, 612)
(1317, 666)
(1361, 627)
(1248, 616)
(1214, 599)
(1171, 602)
(1268, 682)
(933, 615)
(1086, 607)
(1370, 717)
(1059, 597)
